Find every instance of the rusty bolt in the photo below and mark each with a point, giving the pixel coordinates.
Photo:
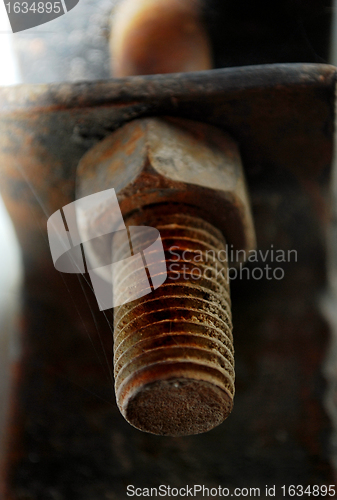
(173, 348)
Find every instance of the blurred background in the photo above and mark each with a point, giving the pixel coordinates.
(74, 47)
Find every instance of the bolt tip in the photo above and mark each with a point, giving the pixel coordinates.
(173, 349)
(177, 407)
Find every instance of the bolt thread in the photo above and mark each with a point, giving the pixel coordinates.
(173, 348)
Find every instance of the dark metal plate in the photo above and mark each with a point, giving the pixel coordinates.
(64, 441)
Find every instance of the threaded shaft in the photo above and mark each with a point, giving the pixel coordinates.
(173, 348)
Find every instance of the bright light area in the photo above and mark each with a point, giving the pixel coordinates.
(9, 72)
(10, 265)
(9, 251)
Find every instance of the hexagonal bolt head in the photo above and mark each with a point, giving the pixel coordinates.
(173, 348)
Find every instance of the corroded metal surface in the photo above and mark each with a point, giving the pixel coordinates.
(153, 161)
(191, 168)
(173, 349)
(66, 437)
(46, 130)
